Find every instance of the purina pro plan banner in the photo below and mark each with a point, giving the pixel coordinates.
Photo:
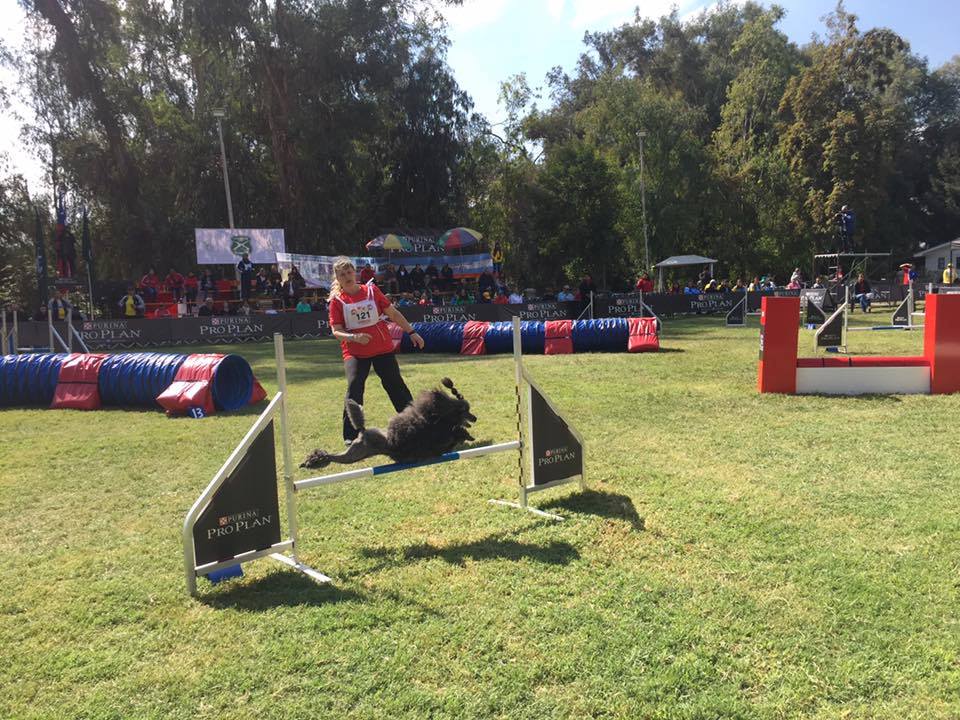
(244, 514)
(556, 453)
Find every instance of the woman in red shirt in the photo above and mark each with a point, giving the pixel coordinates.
(355, 317)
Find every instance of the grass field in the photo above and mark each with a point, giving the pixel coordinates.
(737, 555)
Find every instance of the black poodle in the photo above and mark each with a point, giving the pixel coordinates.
(433, 424)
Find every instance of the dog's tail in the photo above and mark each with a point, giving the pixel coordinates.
(355, 414)
(448, 383)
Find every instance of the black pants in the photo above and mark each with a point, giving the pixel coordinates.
(387, 370)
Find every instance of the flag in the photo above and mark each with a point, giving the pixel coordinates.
(41, 262)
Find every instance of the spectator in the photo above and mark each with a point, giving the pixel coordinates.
(174, 283)
(497, 256)
(909, 274)
(566, 294)
(207, 284)
(367, 274)
(261, 283)
(403, 279)
(818, 283)
(501, 298)
(796, 277)
(644, 284)
(245, 268)
(862, 294)
(691, 288)
(417, 278)
(949, 275)
(432, 274)
(41, 314)
(206, 309)
(705, 276)
(754, 285)
(587, 286)
(389, 279)
(303, 306)
(60, 306)
(150, 284)
(131, 305)
(247, 309)
(297, 279)
(515, 298)
(486, 283)
(422, 299)
(190, 287)
(499, 285)
(485, 297)
(846, 223)
(739, 287)
(794, 284)
(446, 275)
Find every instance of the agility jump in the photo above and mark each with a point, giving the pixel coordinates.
(937, 371)
(237, 518)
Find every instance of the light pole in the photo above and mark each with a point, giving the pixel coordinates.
(219, 115)
(643, 205)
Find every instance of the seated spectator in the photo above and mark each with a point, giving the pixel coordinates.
(485, 283)
(499, 284)
(566, 294)
(41, 314)
(206, 309)
(794, 284)
(691, 288)
(515, 298)
(675, 288)
(261, 283)
(739, 287)
(421, 298)
(320, 305)
(367, 274)
(303, 306)
(403, 279)
(754, 285)
(388, 279)
(174, 282)
(297, 279)
(818, 283)
(432, 276)
(150, 283)
(485, 297)
(417, 278)
(248, 308)
(132, 305)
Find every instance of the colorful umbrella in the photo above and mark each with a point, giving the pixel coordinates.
(390, 242)
(459, 238)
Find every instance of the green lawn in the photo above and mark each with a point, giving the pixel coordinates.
(737, 555)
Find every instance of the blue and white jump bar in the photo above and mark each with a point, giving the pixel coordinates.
(396, 467)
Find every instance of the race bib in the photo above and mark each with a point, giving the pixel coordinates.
(360, 315)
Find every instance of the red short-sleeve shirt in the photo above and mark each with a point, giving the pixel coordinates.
(380, 340)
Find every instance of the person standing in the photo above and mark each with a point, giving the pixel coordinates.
(496, 255)
(131, 305)
(949, 275)
(365, 341)
(246, 276)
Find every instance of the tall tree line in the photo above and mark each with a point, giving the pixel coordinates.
(342, 117)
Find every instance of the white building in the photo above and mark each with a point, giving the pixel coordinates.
(936, 258)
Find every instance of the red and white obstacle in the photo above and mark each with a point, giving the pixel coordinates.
(937, 371)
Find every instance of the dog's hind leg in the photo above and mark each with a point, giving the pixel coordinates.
(368, 443)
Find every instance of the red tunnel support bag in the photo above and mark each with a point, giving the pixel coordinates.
(473, 338)
(643, 335)
(77, 383)
(191, 386)
(558, 337)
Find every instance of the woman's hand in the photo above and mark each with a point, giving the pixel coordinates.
(360, 338)
(416, 340)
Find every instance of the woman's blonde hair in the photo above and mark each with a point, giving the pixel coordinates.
(339, 264)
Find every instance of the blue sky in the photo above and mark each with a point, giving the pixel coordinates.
(491, 40)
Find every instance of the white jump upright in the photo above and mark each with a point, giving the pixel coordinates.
(236, 519)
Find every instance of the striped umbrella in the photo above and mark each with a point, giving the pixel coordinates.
(460, 237)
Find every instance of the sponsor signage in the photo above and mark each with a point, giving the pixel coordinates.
(556, 453)
(830, 333)
(244, 514)
(737, 317)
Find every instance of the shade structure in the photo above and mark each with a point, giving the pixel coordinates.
(390, 241)
(460, 237)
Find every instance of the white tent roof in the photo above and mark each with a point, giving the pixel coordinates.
(684, 260)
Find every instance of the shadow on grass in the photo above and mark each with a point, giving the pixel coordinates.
(494, 547)
(602, 504)
(283, 588)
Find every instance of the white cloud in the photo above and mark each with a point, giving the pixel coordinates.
(474, 14)
(555, 9)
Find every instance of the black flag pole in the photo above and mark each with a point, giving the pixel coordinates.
(41, 268)
(88, 256)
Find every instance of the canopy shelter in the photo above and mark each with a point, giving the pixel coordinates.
(679, 260)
